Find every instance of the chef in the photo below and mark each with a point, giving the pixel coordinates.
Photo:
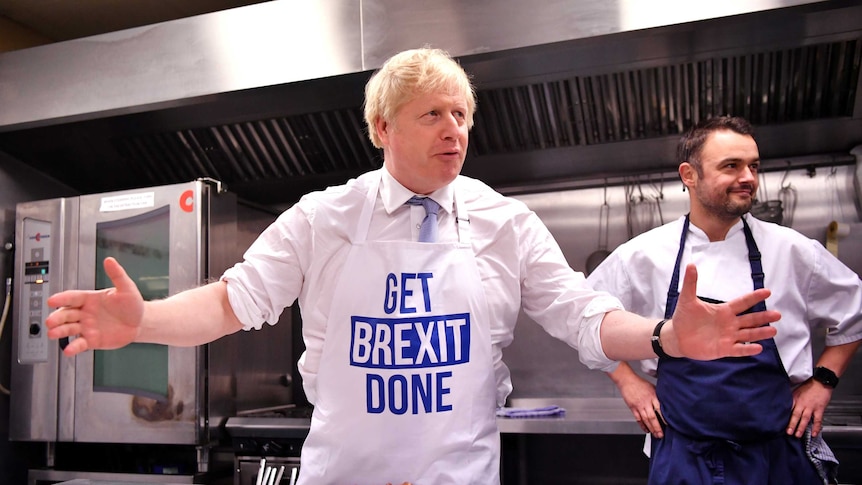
(410, 279)
(741, 420)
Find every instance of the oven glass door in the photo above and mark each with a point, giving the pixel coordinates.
(142, 393)
(142, 245)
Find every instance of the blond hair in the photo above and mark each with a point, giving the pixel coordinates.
(409, 74)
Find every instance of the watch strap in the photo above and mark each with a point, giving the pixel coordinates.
(825, 376)
(656, 341)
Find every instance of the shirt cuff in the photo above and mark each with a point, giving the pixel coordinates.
(590, 349)
(239, 301)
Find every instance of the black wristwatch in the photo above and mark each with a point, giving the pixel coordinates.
(656, 341)
(825, 376)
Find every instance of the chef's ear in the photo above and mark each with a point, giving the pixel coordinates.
(688, 174)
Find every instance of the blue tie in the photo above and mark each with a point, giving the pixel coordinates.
(428, 229)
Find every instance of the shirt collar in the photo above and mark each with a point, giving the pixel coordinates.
(701, 235)
(395, 195)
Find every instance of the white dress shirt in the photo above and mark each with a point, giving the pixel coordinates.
(521, 266)
(810, 287)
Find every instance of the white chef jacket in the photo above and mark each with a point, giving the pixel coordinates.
(810, 287)
(300, 256)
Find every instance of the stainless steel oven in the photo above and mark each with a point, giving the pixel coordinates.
(168, 238)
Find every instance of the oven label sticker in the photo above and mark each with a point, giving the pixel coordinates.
(138, 200)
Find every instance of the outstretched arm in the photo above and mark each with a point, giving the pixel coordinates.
(114, 317)
(698, 330)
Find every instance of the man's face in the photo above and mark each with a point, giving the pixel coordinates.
(728, 183)
(425, 145)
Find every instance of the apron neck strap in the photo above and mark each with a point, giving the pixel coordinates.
(757, 276)
(463, 220)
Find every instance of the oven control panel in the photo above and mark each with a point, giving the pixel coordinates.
(32, 334)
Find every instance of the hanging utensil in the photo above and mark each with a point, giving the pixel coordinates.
(787, 197)
(765, 209)
(640, 209)
(836, 211)
(629, 208)
(599, 255)
(658, 197)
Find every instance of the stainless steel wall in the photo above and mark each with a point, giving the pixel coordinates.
(545, 367)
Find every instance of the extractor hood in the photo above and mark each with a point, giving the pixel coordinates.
(268, 97)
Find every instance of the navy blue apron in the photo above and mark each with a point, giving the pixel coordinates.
(731, 411)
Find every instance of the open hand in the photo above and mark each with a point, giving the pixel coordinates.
(98, 319)
(706, 331)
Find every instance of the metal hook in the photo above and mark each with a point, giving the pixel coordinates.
(659, 189)
(784, 178)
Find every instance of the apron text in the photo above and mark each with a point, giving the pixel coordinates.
(408, 285)
(416, 393)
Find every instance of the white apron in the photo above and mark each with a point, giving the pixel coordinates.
(406, 389)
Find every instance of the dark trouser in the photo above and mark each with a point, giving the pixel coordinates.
(679, 460)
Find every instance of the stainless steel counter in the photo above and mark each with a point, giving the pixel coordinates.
(583, 416)
(62, 477)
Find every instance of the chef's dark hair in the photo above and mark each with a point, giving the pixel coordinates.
(692, 141)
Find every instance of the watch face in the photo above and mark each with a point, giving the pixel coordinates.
(825, 377)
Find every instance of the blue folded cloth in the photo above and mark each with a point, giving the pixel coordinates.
(531, 412)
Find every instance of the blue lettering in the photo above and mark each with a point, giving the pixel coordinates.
(394, 394)
(441, 391)
(370, 394)
(420, 393)
(425, 295)
(392, 301)
(391, 295)
(405, 292)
